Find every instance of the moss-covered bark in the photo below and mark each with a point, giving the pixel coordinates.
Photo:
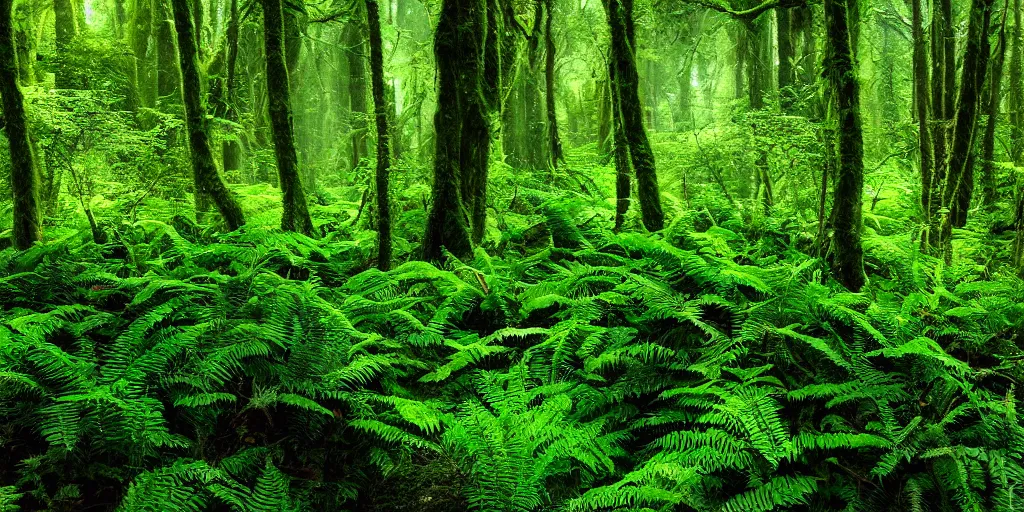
(784, 38)
(27, 228)
(959, 175)
(168, 76)
(295, 216)
(231, 150)
(620, 148)
(626, 81)
(208, 181)
(554, 141)
(988, 142)
(355, 54)
(847, 217)
(381, 114)
(920, 60)
(64, 29)
(459, 53)
(141, 30)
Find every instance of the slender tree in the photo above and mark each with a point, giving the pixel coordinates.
(65, 30)
(1016, 86)
(620, 149)
(840, 71)
(296, 212)
(784, 36)
(356, 55)
(459, 53)
(168, 77)
(988, 142)
(383, 149)
(959, 175)
(554, 141)
(208, 181)
(231, 150)
(920, 59)
(28, 227)
(626, 82)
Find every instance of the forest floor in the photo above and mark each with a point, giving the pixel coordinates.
(711, 366)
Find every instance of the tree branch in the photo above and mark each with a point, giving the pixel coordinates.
(752, 13)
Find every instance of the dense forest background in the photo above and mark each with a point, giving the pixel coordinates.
(511, 255)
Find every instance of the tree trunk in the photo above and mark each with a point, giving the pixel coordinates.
(27, 227)
(142, 28)
(786, 52)
(199, 17)
(740, 60)
(620, 148)
(167, 58)
(841, 73)
(604, 119)
(231, 150)
(623, 44)
(988, 143)
(64, 32)
(758, 76)
(1017, 89)
(554, 141)
(920, 59)
(459, 54)
(208, 181)
(383, 149)
(959, 177)
(356, 54)
(296, 212)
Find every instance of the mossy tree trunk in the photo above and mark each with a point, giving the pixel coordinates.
(1016, 86)
(784, 37)
(620, 149)
(356, 55)
(296, 211)
(231, 150)
(554, 141)
(459, 53)
(64, 28)
(27, 228)
(959, 177)
(208, 181)
(840, 70)
(920, 59)
(141, 30)
(381, 114)
(168, 76)
(988, 142)
(626, 84)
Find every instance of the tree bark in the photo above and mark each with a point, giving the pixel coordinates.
(383, 147)
(168, 76)
(296, 212)
(554, 141)
(27, 227)
(988, 143)
(459, 54)
(142, 28)
(959, 177)
(786, 53)
(620, 148)
(64, 32)
(623, 44)
(231, 150)
(208, 181)
(1016, 95)
(920, 59)
(356, 54)
(841, 72)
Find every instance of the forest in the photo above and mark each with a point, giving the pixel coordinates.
(511, 255)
